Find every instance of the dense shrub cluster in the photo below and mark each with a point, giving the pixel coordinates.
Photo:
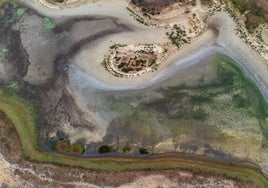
(64, 146)
(149, 7)
(254, 14)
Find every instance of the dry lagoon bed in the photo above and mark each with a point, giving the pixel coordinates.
(63, 72)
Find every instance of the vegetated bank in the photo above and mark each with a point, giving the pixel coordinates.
(23, 116)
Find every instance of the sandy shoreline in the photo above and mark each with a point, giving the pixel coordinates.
(251, 61)
(92, 74)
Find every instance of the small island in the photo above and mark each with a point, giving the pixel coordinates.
(133, 60)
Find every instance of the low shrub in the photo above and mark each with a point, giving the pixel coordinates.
(126, 149)
(104, 149)
(76, 149)
(143, 151)
(62, 145)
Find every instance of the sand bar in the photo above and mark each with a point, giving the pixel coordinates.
(231, 44)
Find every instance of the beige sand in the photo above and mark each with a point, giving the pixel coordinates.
(6, 176)
(265, 35)
(154, 181)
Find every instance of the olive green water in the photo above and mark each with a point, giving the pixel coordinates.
(211, 108)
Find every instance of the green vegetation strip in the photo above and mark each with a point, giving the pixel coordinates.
(3, 1)
(257, 100)
(22, 115)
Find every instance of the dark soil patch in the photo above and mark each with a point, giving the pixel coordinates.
(154, 7)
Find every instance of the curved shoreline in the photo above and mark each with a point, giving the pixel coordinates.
(81, 79)
(250, 61)
(234, 47)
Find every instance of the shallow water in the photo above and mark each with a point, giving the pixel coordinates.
(200, 109)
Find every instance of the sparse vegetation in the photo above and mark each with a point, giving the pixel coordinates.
(62, 145)
(76, 149)
(126, 149)
(111, 148)
(137, 17)
(20, 11)
(177, 36)
(143, 151)
(207, 2)
(254, 14)
(132, 60)
(9, 18)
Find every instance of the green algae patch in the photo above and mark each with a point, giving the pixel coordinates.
(4, 50)
(48, 24)
(20, 11)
